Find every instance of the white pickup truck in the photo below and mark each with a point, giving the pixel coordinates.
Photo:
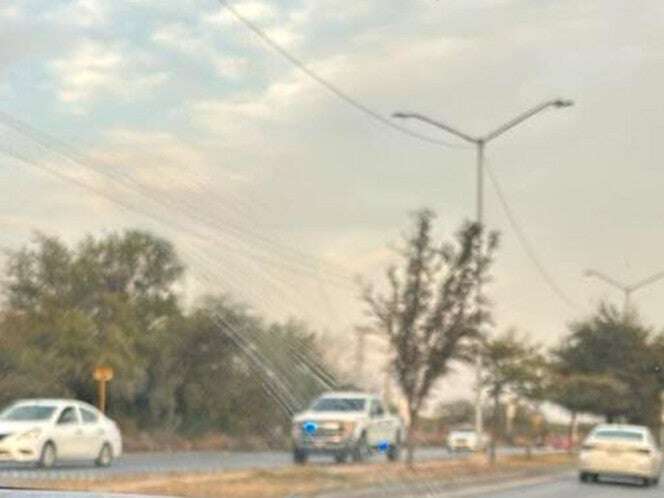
(346, 424)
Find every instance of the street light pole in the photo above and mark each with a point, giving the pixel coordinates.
(480, 143)
(626, 289)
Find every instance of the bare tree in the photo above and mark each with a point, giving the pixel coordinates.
(431, 311)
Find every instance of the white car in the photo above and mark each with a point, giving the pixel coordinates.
(346, 424)
(621, 451)
(44, 431)
(466, 440)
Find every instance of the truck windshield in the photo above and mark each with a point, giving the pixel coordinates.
(338, 405)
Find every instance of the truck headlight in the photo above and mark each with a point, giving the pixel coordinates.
(347, 428)
(31, 434)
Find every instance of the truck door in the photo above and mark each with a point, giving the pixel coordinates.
(379, 426)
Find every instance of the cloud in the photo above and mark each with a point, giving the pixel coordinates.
(162, 161)
(252, 10)
(94, 69)
(84, 13)
(282, 25)
(181, 38)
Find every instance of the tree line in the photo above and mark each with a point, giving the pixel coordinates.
(116, 301)
(218, 366)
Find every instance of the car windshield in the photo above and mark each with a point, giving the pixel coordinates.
(339, 405)
(28, 413)
(618, 434)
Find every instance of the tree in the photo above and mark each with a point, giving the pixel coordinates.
(430, 313)
(510, 364)
(96, 303)
(619, 360)
(586, 393)
(114, 300)
(458, 412)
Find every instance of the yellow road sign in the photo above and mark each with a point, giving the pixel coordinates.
(103, 374)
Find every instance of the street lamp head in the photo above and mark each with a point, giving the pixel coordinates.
(560, 103)
(400, 115)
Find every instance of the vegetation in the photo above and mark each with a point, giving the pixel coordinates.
(430, 312)
(510, 365)
(612, 366)
(114, 301)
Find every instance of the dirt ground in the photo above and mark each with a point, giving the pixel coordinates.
(312, 479)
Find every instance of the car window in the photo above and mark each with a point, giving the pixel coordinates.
(68, 416)
(88, 416)
(377, 409)
(618, 434)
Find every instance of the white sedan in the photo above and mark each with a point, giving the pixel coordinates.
(44, 431)
(620, 451)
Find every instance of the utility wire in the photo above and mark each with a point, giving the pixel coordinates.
(521, 237)
(331, 87)
(527, 246)
(292, 259)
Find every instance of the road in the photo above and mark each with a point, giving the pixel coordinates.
(567, 487)
(564, 485)
(199, 461)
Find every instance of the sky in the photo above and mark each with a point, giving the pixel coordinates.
(182, 121)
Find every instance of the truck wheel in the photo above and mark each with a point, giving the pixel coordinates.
(361, 450)
(300, 456)
(394, 451)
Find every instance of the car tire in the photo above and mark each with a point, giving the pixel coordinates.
(394, 451)
(645, 482)
(361, 450)
(300, 457)
(341, 457)
(48, 456)
(584, 477)
(105, 457)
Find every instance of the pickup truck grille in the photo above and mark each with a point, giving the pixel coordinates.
(326, 431)
(323, 431)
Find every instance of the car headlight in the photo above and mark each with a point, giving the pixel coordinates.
(31, 434)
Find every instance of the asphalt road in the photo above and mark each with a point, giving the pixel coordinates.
(544, 486)
(199, 461)
(566, 487)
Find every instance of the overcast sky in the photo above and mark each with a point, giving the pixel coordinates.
(275, 190)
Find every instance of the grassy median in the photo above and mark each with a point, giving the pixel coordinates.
(312, 479)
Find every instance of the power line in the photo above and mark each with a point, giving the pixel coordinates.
(331, 87)
(521, 237)
(526, 245)
(282, 255)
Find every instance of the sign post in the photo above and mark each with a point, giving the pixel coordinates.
(102, 375)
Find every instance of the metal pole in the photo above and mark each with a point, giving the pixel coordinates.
(625, 312)
(479, 421)
(101, 395)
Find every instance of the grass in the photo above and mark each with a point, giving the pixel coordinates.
(312, 479)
